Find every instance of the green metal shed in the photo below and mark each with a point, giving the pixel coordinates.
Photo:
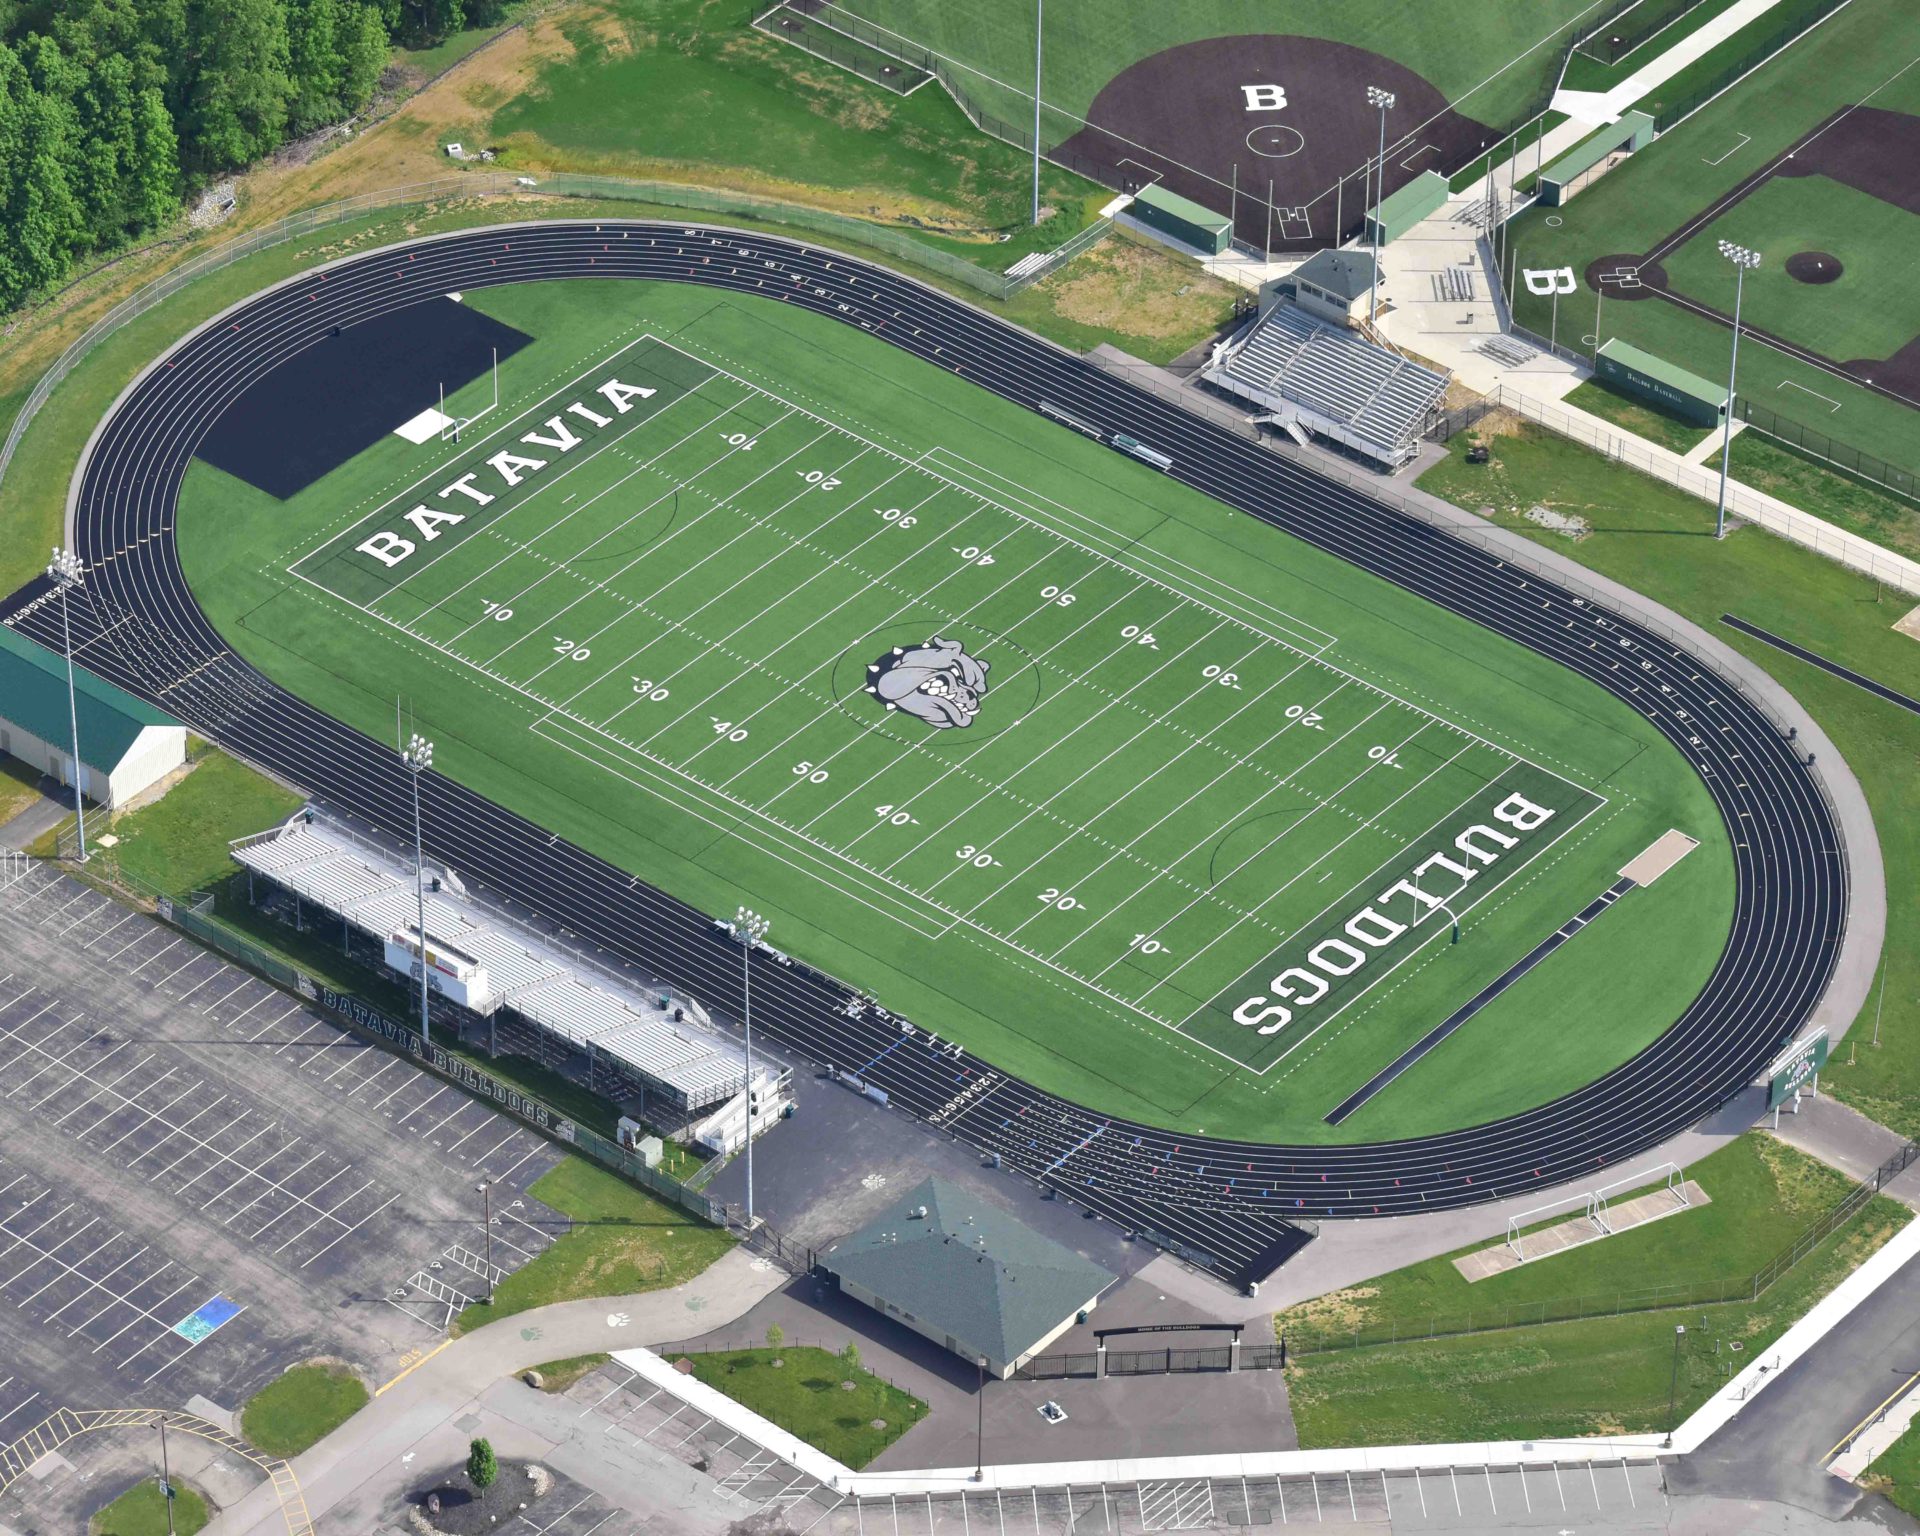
(1182, 219)
(1666, 384)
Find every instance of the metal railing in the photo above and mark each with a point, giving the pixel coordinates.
(1314, 1338)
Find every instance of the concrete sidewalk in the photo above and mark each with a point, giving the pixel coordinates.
(368, 1459)
(1597, 108)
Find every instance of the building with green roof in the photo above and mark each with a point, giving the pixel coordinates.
(966, 1275)
(126, 745)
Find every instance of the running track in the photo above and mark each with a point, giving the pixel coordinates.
(1225, 1204)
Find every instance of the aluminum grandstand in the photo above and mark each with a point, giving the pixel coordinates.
(1326, 379)
(511, 988)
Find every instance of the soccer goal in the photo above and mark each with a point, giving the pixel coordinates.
(1598, 1218)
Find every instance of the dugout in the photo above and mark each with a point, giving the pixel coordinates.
(1586, 163)
(1667, 385)
(1181, 219)
(1388, 220)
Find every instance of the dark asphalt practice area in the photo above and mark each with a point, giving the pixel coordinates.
(1789, 868)
(325, 405)
(203, 1181)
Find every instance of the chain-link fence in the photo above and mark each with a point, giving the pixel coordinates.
(1902, 482)
(1315, 1337)
(1763, 46)
(1702, 480)
(1613, 40)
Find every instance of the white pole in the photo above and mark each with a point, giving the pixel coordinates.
(1742, 258)
(419, 757)
(67, 573)
(73, 720)
(749, 927)
(1039, 32)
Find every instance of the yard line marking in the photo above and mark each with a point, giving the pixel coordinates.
(1062, 740)
(415, 572)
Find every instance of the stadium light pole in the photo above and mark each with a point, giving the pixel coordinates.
(67, 572)
(749, 927)
(166, 1473)
(980, 1426)
(1742, 259)
(1673, 1382)
(419, 758)
(1039, 34)
(1384, 101)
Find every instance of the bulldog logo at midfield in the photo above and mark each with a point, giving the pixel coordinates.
(937, 682)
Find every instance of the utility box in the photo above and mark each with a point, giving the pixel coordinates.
(632, 1135)
(1182, 219)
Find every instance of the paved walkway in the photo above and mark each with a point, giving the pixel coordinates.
(1595, 108)
(1847, 1140)
(369, 1459)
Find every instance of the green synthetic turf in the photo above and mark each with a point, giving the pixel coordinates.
(1872, 311)
(1856, 56)
(1491, 61)
(1169, 801)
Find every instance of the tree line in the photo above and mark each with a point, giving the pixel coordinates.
(112, 111)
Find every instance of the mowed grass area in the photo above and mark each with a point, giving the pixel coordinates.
(804, 1390)
(1872, 311)
(622, 1241)
(686, 88)
(1604, 1375)
(237, 546)
(19, 787)
(1860, 506)
(1896, 1472)
(142, 1511)
(301, 1407)
(1639, 417)
(178, 844)
(1489, 60)
(1659, 541)
(1855, 56)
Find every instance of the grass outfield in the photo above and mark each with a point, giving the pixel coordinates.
(1872, 311)
(1852, 57)
(1145, 750)
(1490, 60)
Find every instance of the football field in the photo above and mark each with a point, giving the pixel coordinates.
(1082, 781)
(1148, 783)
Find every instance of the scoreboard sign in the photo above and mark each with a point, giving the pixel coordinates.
(1800, 1062)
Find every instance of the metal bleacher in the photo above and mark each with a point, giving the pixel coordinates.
(1337, 382)
(662, 1040)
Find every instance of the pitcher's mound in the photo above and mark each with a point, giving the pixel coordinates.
(1814, 267)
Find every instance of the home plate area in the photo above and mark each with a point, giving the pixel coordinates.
(1241, 123)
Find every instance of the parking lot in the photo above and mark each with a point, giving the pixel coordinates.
(204, 1180)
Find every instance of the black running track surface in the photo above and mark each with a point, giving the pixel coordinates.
(1227, 1204)
(347, 391)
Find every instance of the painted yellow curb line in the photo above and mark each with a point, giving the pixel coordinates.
(377, 1391)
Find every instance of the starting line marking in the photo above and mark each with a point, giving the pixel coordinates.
(1745, 140)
